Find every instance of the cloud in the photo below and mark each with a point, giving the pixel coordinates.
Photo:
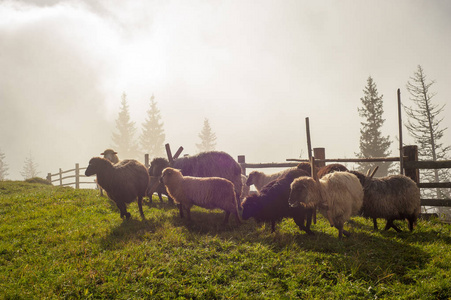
(255, 71)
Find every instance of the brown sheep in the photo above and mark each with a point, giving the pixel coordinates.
(111, 155)
(206, 192)
(124, 182)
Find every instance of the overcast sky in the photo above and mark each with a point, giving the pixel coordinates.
(255, 69)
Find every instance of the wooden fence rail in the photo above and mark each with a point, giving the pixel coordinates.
(410, 163)
(411, 167)
(76, 175)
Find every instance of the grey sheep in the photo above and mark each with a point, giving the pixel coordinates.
(395, 197)
(124, 182)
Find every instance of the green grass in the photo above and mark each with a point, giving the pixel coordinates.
(64, 243)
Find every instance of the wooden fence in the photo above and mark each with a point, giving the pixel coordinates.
(74, 178)
(409, 161)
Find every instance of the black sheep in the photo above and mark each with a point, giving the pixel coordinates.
(271, 205)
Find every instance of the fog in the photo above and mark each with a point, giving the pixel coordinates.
(255, 69)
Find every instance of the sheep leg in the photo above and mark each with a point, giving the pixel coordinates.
(226, 217)
(140, 206)
(411, 220)
(273, 226)
(180, 210)
(237, 217)
(188, 212)
(391, 225)
(341, 231)
(310, 213)
(299, 220)
(161, 198)
(123, 210)
(375, 223)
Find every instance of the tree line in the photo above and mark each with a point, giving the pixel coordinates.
(423, 124)
(152, 138)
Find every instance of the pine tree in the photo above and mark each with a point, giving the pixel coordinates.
(207, 138)
(372, 143)
(3, 167)
(152, 137)
(124, 141)
(424, 126)
(30, 168)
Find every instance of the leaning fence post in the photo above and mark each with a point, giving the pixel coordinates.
(61, 177)
(242, 161)
(411, 154)
(77, 176)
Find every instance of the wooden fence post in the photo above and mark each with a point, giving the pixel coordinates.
(49, 177)
(169, 154)
(61, 177)
(401, 154)
(411, 154)
(309, 143)
(77, 176)
(146, 160)
(241, 161)
(319, 153)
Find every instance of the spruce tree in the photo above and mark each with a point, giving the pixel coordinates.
(29, 169)
(152, 137)
(3, 167)
(372, 143)
(124, 140)
(424, 126)
(207, 138)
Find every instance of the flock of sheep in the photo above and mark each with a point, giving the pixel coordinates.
(213, 180)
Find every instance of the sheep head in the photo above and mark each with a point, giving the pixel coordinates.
(111, 155)
(157, 165)
(304, 192)
(170, 174)
(96, 165)
(250, 179)
(250, 206)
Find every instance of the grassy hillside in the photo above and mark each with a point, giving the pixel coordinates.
(65, 243)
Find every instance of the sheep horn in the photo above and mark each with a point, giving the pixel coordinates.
(374, 171)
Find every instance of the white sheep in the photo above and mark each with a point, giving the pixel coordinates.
(206, 192)
(260, 179)
(246, 189)
(337, 195)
